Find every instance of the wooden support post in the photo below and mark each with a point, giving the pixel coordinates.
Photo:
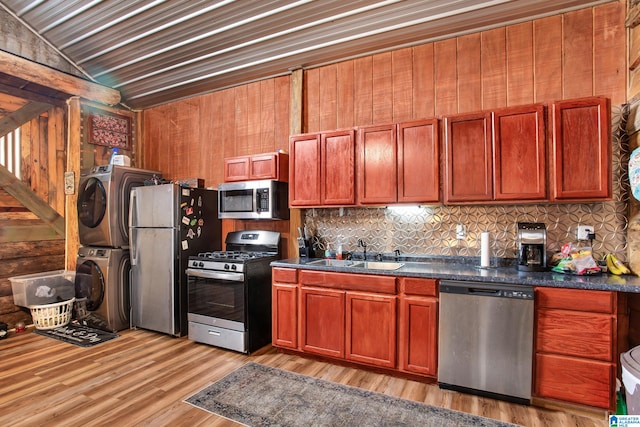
(72, 240)
(295, 126)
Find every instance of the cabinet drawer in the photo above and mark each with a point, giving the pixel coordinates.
(576, 299)
(575, 380)
(347, 281)
(575, 333)
(415, 286)
(285, 275)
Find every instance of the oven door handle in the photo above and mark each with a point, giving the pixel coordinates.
(221, 275)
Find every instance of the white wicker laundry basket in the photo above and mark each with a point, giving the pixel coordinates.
(50, 316)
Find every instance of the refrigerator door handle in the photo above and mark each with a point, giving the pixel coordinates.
(133, 250)
(133, 209)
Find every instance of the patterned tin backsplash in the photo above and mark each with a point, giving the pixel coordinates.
(431, 230)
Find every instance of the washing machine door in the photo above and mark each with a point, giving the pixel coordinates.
(90, 284)
(92, 202)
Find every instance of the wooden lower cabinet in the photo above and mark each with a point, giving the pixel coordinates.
(371, 329)
(284, 324)
(322, 321)
(357, 317)
(284, 301)
(418, 339)
(576, 346)
(392, 322)
(418, 326)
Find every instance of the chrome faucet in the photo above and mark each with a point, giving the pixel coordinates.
(362, 244)
(397, 253)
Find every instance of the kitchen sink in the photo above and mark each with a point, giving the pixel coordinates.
(382, 265)
(337, 263)
(371, 265)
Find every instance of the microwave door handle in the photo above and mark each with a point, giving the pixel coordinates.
(256, 198)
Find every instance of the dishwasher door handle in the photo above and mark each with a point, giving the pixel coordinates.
(484, 291)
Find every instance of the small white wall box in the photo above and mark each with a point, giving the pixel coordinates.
(121, 160)
(584, 231)
(43, 288)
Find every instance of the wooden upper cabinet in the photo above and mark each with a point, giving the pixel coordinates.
(582, 150)
(377, 164)
(338, 167)
(468, 164)
(255, 167)
(236, 169)
(399, 163)
(269, 166)
(322, 170)
(519, 165)
(418, 161)
(304, 171)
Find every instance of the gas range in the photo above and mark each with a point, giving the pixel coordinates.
(230, 292)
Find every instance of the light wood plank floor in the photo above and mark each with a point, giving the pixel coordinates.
(142, 378)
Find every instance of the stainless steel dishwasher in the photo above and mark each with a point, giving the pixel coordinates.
(485, 341)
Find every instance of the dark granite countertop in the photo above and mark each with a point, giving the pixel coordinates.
(467, 268)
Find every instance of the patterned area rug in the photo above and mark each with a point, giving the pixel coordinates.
(257, 395)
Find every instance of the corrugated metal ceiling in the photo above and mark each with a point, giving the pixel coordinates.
(157, 51)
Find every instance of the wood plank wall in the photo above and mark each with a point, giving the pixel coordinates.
(577, 54)
(26, 244)
(191, 138)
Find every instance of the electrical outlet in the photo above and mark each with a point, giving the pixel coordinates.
(461, 233)
(583, 232)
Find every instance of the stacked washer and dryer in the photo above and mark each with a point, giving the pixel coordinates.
(103, 265)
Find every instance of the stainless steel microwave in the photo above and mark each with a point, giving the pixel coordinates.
(264, 199)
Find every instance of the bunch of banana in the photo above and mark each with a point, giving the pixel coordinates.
(615, 266)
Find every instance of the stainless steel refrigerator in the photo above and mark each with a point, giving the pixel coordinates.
(168, 223)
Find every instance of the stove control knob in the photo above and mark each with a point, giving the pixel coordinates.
(201, 264)
(226, 266)
(234, 267)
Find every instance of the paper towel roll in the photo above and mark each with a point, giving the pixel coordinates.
(485, 256)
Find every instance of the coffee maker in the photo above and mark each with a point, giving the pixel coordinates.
(532, 246)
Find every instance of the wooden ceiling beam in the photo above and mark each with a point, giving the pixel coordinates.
(30, 96)
(45, 76)
(24, 115)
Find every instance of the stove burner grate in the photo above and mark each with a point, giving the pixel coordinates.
(234, 255)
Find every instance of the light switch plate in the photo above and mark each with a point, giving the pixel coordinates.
(69, 183)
